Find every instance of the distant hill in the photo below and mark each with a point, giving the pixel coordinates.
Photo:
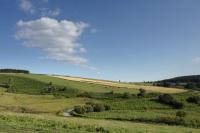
(13, 71)
(188, 82)
(187, 79)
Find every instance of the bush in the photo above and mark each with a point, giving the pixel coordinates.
(84, 94)
(107, 107)
(191, 86)
(168, 99)
(101, 129)
(89, 108)
(165, 98)
(170, 120)
(99, 108)
(177, 105)
(90, 103)
(180, 114)
(111, 92)
(126, 95)
(79, 109)
(193, 99)
(141, 93)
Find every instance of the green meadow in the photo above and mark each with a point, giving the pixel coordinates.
(36, 103)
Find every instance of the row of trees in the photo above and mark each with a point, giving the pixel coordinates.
(14, 71)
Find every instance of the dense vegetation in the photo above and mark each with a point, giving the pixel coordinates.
(187, 82)
(13, 71)
(48, 98)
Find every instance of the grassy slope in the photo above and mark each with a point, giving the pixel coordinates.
(46, 123)
(124, 109)
(124, 85)
(38, 103)
(35, 80)
(94, 86)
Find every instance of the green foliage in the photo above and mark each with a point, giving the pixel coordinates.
(79, 109)
(193, 99)
(13, 71)
(181, 114)
(168, 99)
(141, 93)
(88, 108)
(191, 86)
(126, 95)
(107, 107)
(170, 120)
(91, 107)
(99, 108)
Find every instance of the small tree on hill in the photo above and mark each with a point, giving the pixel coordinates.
(141, 93)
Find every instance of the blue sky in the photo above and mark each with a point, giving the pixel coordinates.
(128, 40)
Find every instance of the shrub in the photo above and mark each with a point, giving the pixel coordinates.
(84, 94)
(141, 93)
(111, 92)
(107, 107)
(62, 89)
(193, 99)
(90, 103)
(168, 99)
(79, 109)
(101, 129)
(177, 105)
(89, 108)
(126, 95)
(180, 114)
(165, 98)
(191, 86)
(170, 120)
(99, 108)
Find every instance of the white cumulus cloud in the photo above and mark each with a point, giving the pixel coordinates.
(27, 6)
(196, 60)
(56, 39)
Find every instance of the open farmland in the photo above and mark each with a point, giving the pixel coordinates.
(25, 106)
(124, 85)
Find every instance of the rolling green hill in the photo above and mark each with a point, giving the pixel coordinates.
(36, 103)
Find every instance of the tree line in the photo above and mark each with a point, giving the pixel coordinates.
(14, 71)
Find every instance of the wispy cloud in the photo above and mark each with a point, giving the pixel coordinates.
(48, 12)
(93, 30)
(56, 39)
(196, 60)
(27, 6)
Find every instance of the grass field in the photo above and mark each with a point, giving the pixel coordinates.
(26, 109)
(38, 103)
(10, 122)
(124, 85)
(87, 84)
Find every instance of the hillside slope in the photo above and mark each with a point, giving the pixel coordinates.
(124, 85)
